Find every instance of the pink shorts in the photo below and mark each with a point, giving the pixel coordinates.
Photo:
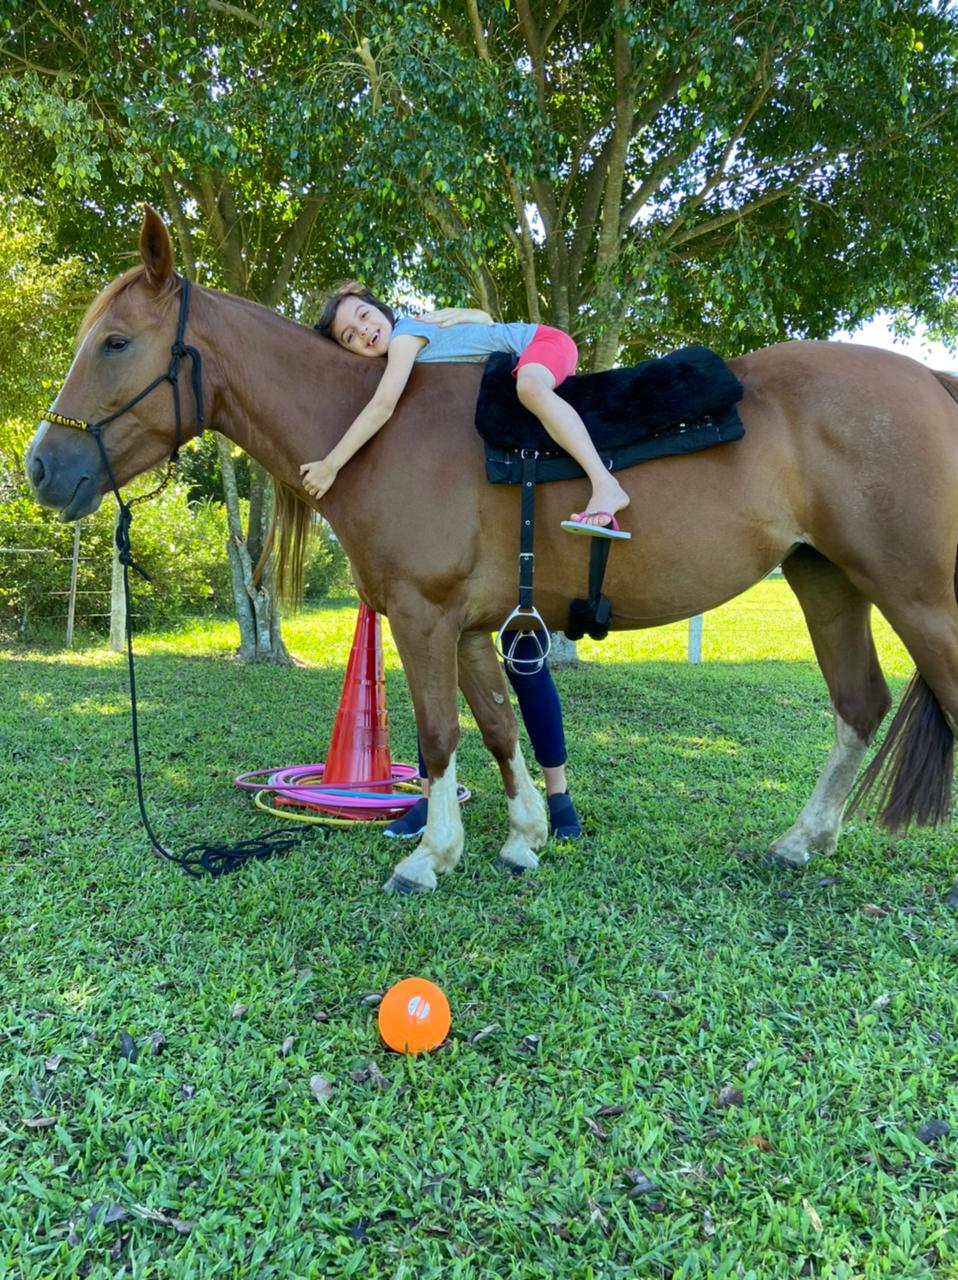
(554, 349)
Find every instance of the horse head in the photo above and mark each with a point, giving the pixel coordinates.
(126, 350)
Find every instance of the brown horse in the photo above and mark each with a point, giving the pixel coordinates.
(847, 475)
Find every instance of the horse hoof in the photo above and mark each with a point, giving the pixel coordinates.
(793, 859)
(512, 868)
(771, 859)
(399, 884)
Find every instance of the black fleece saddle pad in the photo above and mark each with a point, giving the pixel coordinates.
(679, 404)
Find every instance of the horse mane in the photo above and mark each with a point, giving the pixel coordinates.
(107, 295)
(949, 381)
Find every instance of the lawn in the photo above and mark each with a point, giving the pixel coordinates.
(667, 1059)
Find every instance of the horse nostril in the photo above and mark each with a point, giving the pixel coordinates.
(35, 471)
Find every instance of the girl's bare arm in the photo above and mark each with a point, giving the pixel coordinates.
(457, 315)
(400, 357)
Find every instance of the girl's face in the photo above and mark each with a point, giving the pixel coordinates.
(361, 327)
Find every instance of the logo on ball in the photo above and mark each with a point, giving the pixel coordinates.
(418, 1008)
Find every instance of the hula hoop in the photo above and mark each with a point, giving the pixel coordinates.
(319, 816)
(340, 803)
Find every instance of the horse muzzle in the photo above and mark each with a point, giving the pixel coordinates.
(65, 471)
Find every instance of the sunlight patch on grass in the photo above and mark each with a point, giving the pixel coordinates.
(86, 706)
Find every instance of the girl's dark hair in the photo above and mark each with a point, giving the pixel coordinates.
(349, 289)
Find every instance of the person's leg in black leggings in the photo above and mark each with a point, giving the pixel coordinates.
(541, 712)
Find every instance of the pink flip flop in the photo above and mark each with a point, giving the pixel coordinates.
(611, 530)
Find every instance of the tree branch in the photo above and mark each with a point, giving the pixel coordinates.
(478, 35)
(233, 11)
(609, 244)
(289, 251)
(184, 235)
(65, 32)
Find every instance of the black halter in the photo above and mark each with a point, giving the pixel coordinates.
(178, 350)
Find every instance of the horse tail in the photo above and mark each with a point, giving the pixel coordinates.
(911, 773)
(293, 520)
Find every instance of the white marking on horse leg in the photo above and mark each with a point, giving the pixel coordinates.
(440, 848)
(528, 824)
(816, 828)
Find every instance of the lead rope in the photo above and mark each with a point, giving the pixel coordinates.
(215, 859)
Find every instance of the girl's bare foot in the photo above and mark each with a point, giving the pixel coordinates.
(604, 501)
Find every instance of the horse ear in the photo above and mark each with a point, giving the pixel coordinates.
(156, 250)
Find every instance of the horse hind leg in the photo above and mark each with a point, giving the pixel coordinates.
(839, 622)
(482, 683)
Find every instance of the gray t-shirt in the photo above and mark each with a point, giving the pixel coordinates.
(470, 342)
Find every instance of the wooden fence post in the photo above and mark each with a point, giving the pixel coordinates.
(72, 598)
(117, 597)
(695, 638)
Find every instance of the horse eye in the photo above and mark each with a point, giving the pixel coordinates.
(115, 343)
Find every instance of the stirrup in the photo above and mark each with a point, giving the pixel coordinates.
(525, 666)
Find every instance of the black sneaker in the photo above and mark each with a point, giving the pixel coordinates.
(411, 824)
(564, 822)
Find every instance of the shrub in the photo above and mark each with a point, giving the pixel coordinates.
(181, 546)
(327, 569)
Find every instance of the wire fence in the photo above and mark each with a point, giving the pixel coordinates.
(70, 592)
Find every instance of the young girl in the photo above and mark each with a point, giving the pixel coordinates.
(360, 322)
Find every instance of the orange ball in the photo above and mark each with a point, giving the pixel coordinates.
(414, 1016)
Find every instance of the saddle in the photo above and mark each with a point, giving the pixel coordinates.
(680, 403)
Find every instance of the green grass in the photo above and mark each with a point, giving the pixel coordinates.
(658, 961)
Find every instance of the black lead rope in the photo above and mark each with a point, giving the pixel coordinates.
(212, 858)
(215, 859)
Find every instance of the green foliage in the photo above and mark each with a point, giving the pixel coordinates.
(41, 302)
(181, 546)
(642, 174)
(731, 173)
(327, 569)
(178, 540)
(201, 471)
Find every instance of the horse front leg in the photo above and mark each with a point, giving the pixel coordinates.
(482, 683)
(427, 645)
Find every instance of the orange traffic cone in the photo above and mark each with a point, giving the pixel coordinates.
(359, 747)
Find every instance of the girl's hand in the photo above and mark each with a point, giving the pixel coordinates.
(318, 477)
(456, 315)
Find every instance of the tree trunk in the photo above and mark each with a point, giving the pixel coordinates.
(255, 602)
(257, 609)
(563, 652)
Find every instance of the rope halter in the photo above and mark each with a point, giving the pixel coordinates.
(178, 350)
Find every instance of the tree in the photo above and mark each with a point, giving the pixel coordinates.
(650, 174)
(40, 305)
(200, 109)
(643, 175)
